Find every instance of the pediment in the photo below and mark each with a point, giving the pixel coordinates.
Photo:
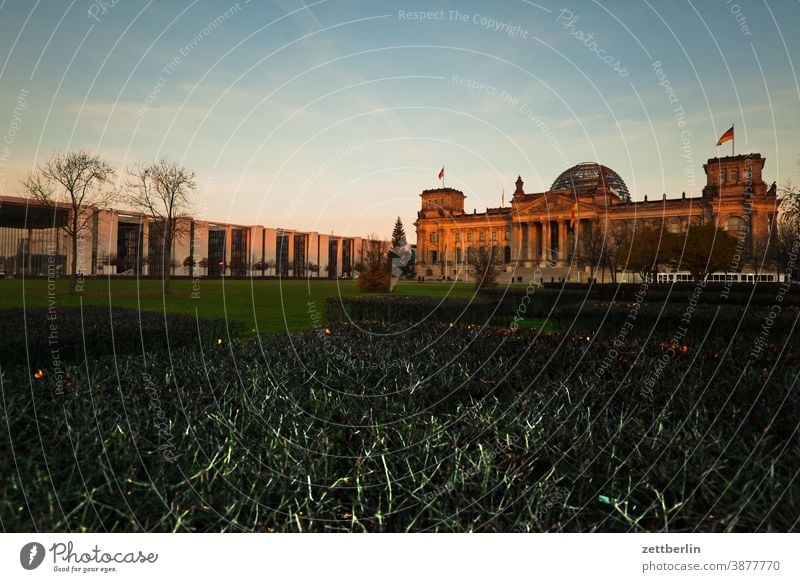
(552, 203)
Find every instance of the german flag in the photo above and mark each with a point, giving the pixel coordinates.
(574, 215)
(727, 136)
(441, 173)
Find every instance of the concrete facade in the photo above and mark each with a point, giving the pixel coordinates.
(118, 243)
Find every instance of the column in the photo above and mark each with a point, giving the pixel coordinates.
(144, 250)
(518, 254)
(545, 254)
(228, 244)
(339, 249)
(562, 241)
(530, 248)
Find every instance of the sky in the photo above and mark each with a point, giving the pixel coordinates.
(334, 115)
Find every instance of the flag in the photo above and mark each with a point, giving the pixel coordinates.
(727, 136)
(503, 198)
(441, 173)
(574, 214)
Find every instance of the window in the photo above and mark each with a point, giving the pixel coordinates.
(723, 175)
(469, 236)
(494, 235)
(458, 236)
(748, 173)
(434, 237)
(734, 223)
(458, 255)
(481, 236)
(434, 256)
(735, 175)
(675, 227)
(508, 234)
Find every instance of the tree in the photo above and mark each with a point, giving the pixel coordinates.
(76, 180)
(646, 250)
(237, 266)
(190, 263)
(162, 190)
(375, 274)
(788, 227)
(203, 264)
(705, 249)
(763, 252)
(486, 261)
(401, 259)
(398, 234)
(593, 249)
(269, 264)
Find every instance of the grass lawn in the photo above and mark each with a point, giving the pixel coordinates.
(268, 305)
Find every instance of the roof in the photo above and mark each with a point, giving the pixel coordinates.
(589, 176)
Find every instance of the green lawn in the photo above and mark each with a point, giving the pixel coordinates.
(271, 304)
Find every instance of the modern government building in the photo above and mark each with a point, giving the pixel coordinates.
(540, 234)
(124, 243)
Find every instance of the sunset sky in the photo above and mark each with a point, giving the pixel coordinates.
(335, 115)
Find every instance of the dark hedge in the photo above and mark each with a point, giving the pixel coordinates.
(664, 321)
(713, 293)
(393, 308)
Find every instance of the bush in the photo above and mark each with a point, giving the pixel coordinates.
(539, 301)
(713, 293)
(374, 280)
(394, 309)
(666, 320)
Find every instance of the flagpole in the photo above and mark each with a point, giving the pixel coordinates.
(733, 141)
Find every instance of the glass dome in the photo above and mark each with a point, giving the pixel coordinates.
(589, 176)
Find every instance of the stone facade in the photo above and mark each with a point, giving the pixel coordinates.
(546, 232)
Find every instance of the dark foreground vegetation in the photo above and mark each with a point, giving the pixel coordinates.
(617, 422)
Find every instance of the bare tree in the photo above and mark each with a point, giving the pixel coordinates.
(162, 190)
(787, 227)
(77, 180)
(646, 248)
(763, 252)
(706, 249)
(486, 261)
(594, 247)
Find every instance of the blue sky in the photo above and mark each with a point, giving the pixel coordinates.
(335, 115)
